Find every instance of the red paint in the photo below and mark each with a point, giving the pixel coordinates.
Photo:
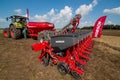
(35, 27)
(78, 53)
(97, 30)
(73, 54)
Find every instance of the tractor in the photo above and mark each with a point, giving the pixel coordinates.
(18, 23)
(21, 27)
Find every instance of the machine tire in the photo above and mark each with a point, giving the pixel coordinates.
(14, 32)
(79, 65)
(75, 75)
(63, 68)
(46, 60)
(6, 33)
(45, 35)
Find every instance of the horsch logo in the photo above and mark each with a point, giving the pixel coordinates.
(60, 41)
(98, 28)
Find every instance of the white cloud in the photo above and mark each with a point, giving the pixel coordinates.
(112, 11)
(51, 12)
(86, 23)
(25, 15)
(85, 9)
(45, 17)
(2, 20)
(63, 16)
(109, 22)
(3, 23)
(59, 19)
(94, 3)
(18, 11)
(40, 17)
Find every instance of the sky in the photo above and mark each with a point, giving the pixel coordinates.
(60, 12)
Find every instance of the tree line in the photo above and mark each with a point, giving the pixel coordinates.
(107, 27)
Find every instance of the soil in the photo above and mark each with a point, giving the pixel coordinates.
(19, 62)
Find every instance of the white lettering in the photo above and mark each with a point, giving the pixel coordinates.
(98, 28)
(60, 41)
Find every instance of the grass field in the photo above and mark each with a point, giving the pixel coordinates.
(1, 31)
(19, 62)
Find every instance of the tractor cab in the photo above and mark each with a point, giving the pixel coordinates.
(18, 21)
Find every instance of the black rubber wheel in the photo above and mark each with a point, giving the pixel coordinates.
(75, 75)
(14, 32)
(63, 68)
(79, 65)
(46, 60)
(6, 33)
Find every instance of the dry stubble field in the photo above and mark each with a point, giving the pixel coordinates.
(19, 62)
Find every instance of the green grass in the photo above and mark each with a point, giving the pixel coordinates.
(1, 30)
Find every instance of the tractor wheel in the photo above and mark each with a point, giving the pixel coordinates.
(6, 33)
(14, 32)
(75, 75)
(46, 60)
(45, 35)
(79, 65)
(63, 68)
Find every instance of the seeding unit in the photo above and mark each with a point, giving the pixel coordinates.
(70, 51)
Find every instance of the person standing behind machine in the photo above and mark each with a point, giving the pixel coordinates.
(24, 30)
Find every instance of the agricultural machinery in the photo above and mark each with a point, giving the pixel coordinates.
(20, 27)
(68, 49)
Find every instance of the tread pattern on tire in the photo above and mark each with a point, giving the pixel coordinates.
(17, 32)
(75, 75)
(63, 65)
(46, 60)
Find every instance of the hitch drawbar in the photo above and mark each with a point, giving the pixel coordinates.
(39, 46)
